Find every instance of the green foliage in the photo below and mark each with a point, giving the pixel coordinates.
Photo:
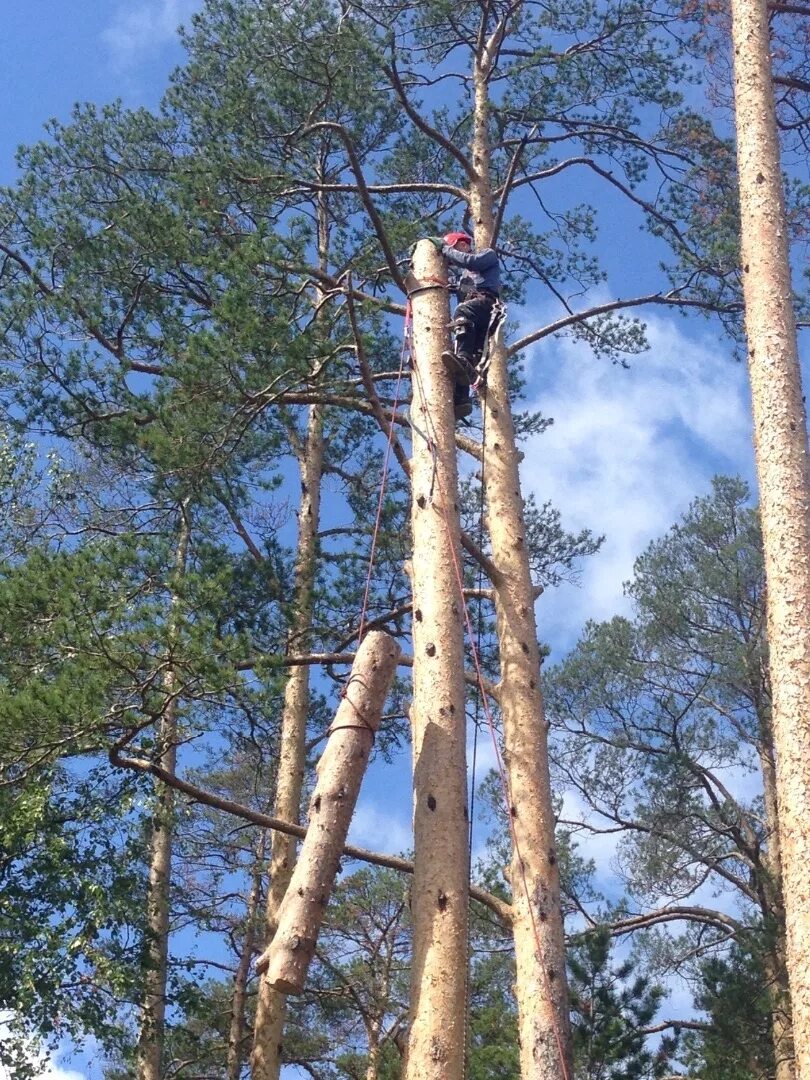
(173, 297)
(737, 1043)
(494, 1051)
(655, 709)
(611, 1006)
(71, 906)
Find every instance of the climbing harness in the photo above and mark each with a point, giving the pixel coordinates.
(497, 318)
(496, 322)
(484, 699)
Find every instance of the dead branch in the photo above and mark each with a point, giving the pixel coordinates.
(228, 806)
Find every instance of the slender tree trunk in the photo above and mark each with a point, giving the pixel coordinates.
(440, 889)
(270, 1008)
(340, 774)
(775, 960)
(781, 1025)
(780, 440)
(236, 1034)
(151, 1035)
(271, 1005)
(373, 1066)
(541, 984)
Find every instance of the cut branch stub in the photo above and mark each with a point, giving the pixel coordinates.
(340, 773)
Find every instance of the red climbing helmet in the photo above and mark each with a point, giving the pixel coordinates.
(453, 238)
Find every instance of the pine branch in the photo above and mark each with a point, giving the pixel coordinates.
(704, 916)
(669, 299)
(229, 806)
(387, 428)
(92, 328)
(363, 191)
(426, 128)
(484, 561)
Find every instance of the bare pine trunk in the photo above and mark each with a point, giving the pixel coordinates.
(270, 1008)
(541, 985)
(440, 888)
(781, 1025)
(780, 436)
(340, 774)
(374, 1056)
(236, 1035)
(153, 1008)
(774, 913)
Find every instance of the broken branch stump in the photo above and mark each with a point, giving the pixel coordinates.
(340, 773)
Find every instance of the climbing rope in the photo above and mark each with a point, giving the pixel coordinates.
(403, 359)
(474, 641)
(484, 697)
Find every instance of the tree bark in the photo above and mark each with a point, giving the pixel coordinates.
(781, 1024)
(775, 960)
(236, 1034)
(151, 1035)
(541, 985)
(440, 891)
(270, 1007)
(780, 442)
(340, 773)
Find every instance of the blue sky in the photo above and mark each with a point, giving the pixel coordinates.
(629, 449)
(56, 54)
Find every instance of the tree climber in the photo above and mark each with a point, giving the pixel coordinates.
(476, 279)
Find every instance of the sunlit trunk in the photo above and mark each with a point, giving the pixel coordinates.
(780, 434)
(440, 889)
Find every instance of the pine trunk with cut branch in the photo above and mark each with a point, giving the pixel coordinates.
(270, 1008)
(541, 984)
(436, 1042)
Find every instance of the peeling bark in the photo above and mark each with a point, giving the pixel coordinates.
(780, 440)
(440, 891)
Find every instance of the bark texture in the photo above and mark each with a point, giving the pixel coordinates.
(773, 908)
(541, 985)
(270, 1007)
(780, 435)
(236, 1033)
(151, 1035)
(440, 890)
(340, 773)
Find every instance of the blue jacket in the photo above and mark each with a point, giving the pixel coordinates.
(481, 266)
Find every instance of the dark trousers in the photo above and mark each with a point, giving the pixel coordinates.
(470, 323)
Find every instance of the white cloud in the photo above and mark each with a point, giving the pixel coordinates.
(374, 827)
(137, 32)
(50, 1069)
(54, 1072)
(628, 451)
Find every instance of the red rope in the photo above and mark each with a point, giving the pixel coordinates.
(501, 769)
(406, 351)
